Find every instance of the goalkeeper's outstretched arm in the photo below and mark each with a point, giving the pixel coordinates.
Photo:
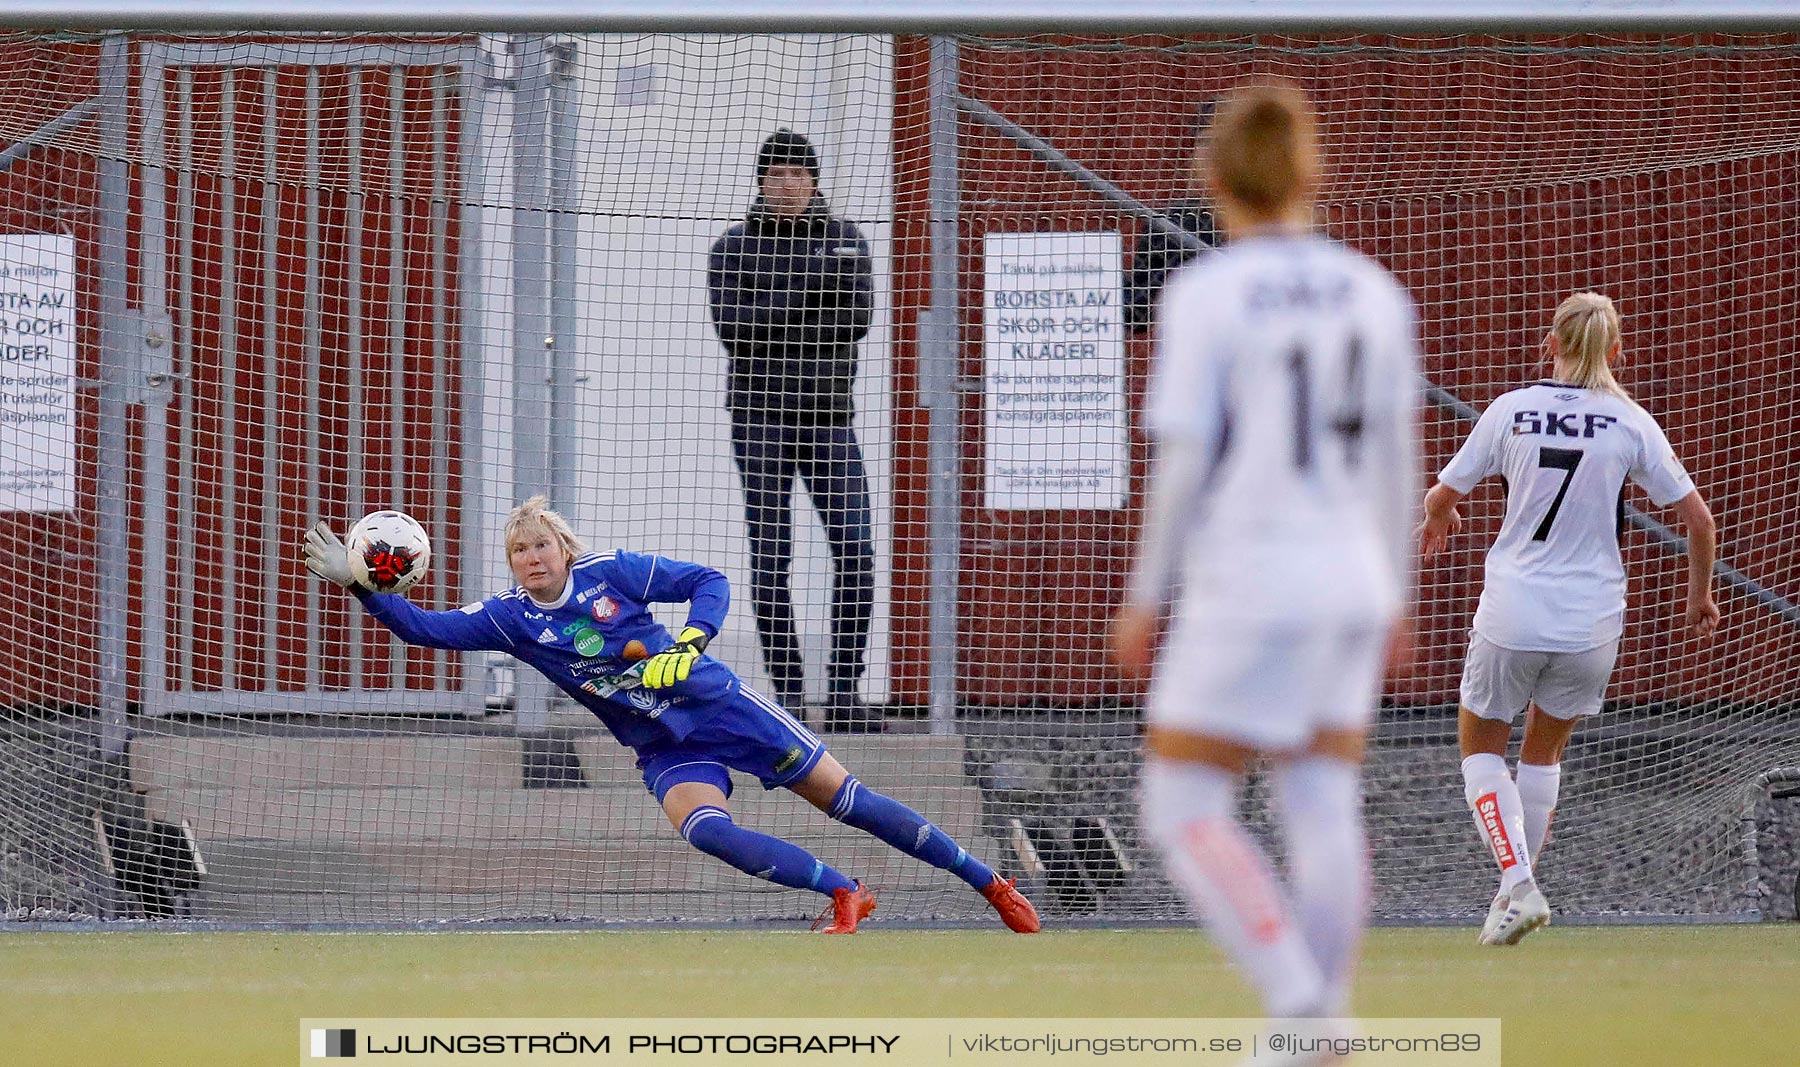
(468, 629)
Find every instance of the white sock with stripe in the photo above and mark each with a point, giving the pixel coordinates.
(1499, 816)
(1190, 812)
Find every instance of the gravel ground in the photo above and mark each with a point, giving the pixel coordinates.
(1778, 850)
(1650, 822)
(51, 783)
(1643, 827)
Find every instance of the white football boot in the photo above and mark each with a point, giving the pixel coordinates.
(1524, 913)
(1496, 912)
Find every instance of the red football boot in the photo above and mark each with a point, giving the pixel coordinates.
(851, 906)
(1018, 914)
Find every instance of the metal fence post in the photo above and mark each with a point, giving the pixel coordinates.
(562, 64)
(475, 355)
(532, 337)
(112, 462)
(940, 374)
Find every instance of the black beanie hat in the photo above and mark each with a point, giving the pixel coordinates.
(784, 146)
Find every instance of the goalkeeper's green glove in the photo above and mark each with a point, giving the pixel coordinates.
(672, 664)
(327, 557)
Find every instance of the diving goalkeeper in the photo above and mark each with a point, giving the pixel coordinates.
(581, 618)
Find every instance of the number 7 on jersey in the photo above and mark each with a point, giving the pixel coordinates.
(1562, 459)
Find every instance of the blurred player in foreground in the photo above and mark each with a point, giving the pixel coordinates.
(582, 619)
(1283, 408)
(1553, 599)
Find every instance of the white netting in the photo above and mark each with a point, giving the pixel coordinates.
(441, 271)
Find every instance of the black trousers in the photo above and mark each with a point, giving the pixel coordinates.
(829, 462)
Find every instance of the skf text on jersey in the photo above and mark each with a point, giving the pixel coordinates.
(1554, 424)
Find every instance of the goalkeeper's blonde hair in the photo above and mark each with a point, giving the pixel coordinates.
(535, 516)
(1587, 330)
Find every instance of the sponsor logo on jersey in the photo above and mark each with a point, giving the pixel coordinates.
(787, 761)
(540, 616)
(548, 637)
(1560, 424)
(582, 597)
(589, 642)
(605, 609)
(1268, 294)
(575, 627)
(1487, 809)
(646, 701)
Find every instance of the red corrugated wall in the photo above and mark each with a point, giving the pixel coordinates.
(400, 396)
(47, 562)
(47, 631)
(1493, 177)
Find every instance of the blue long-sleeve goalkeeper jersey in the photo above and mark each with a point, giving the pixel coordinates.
(579, 641)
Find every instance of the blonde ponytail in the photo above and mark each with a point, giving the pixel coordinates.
(1586, 328)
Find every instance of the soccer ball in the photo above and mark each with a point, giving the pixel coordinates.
(389, 551)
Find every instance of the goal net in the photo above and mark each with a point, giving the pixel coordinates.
(249, 281)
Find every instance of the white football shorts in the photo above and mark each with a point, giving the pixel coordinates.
(1270, 686)
(1498, 682)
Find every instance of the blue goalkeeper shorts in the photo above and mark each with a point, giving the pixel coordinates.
(748, 732)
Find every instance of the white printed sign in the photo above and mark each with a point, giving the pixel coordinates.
(37, 372)
(1054, 337)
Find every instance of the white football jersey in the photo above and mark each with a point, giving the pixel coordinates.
(1293, 362)
(1554, 581)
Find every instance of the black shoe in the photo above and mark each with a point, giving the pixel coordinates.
(845, 713)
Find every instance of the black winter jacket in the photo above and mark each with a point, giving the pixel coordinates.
(1157, 253)
(790, 298)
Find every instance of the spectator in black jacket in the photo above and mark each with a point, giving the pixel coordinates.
(791, 291)
(1157, 252)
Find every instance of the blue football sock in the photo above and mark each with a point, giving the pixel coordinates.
(857, 805)
(710, 829)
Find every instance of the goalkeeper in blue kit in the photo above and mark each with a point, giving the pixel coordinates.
(581, 618)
